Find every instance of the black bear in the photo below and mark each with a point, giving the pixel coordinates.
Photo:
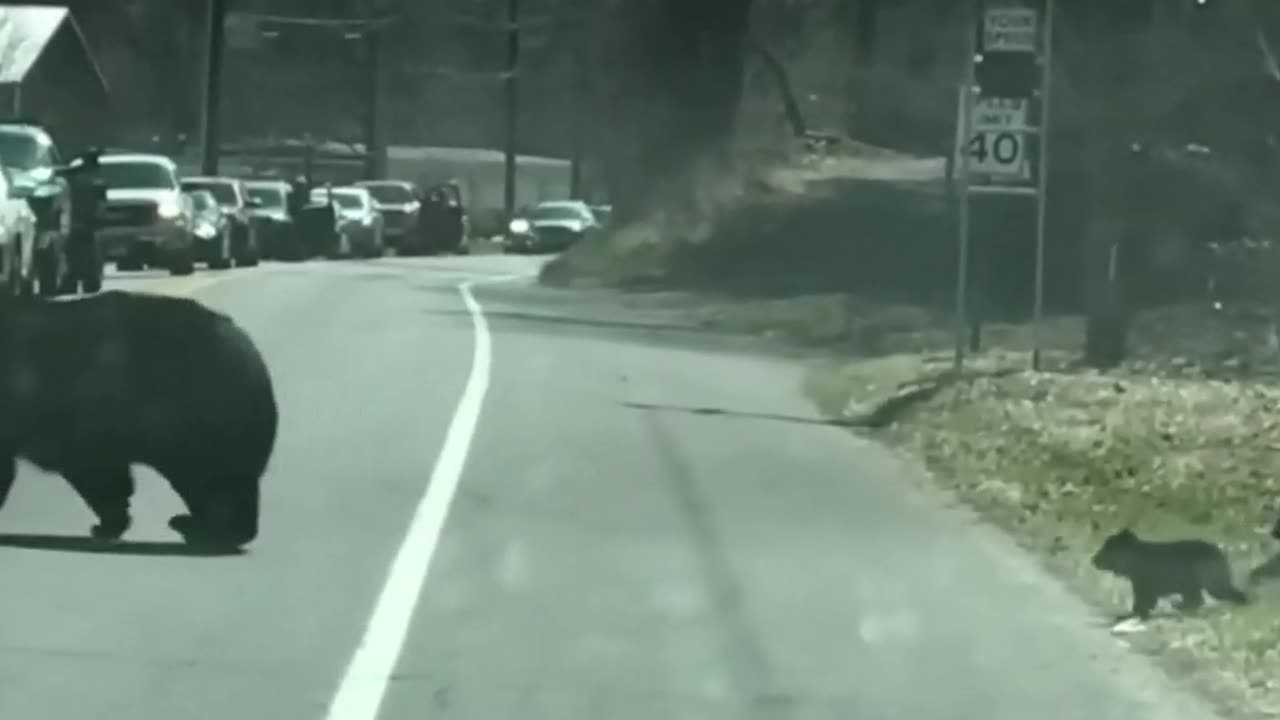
(90, 386)
(1187, 568)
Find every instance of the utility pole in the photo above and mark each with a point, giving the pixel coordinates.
(209, 130)
(372, 140)
(512, 102)
(579, 111)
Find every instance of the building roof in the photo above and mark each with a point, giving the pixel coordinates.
(108, 158)
(468, 156)
(25, 32)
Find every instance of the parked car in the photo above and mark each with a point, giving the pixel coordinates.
(30, 156)
(551, 226)
(17, 236)
(358, 222)
(210, 230)
(398, 202)
(269, 215)
(235, 204)
(146, 221)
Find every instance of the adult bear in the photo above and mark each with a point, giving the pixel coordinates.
(90, 386)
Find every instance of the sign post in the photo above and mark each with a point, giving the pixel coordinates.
(1002, 140)
(1046, 84)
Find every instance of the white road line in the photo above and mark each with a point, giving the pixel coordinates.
(364, 685)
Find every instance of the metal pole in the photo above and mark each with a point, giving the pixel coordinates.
(579, 109)
(512, 100)
(964, 133)
(209, 130)
(1042, 194)
(373, 48)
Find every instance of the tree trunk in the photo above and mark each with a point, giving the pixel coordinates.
(795, 118)
(1107, 329)
(677, 92)
(862, 17)
(867, 27)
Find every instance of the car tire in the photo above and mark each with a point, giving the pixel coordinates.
(182, 263)
(250, 252)
(92, 284)
(223, 261)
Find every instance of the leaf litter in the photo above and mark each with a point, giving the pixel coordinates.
(1061, 459)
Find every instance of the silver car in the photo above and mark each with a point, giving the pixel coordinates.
(357, 220)
(398, 202)
(17, 239)
(551, 226)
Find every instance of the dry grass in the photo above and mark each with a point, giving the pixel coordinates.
(1060, 460)
(740, 210)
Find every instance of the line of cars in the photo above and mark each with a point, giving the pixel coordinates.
(132, 209)
(152, 217)
(149, 216)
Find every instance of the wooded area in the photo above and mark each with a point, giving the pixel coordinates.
(1162, 130)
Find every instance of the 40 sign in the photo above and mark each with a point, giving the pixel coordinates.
(997, 144)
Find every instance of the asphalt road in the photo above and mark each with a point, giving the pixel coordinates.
(622, 519)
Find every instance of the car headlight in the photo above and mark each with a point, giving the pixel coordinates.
(519, 226)
(169, 210)
(206, 231)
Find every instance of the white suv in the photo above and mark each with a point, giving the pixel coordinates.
(146, 220)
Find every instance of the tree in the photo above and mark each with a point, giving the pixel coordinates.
(674, 79)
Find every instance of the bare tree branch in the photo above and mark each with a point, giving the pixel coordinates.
(783, 82)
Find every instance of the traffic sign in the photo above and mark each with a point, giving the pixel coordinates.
(1010, 44)
(998, 139)
(1009, 29)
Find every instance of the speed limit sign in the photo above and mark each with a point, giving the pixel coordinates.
(997, 144)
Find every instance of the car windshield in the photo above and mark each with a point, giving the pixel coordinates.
(201, 200)
(390, 193)
(19, 150)
(137, 174)
(559, 212)
(269, 197)
(223, 192)
(348, 201)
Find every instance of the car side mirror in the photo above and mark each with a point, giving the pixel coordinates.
(253, 203)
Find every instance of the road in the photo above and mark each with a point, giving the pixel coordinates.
(623, 519)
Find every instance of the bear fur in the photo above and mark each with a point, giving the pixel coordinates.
(90, 386)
